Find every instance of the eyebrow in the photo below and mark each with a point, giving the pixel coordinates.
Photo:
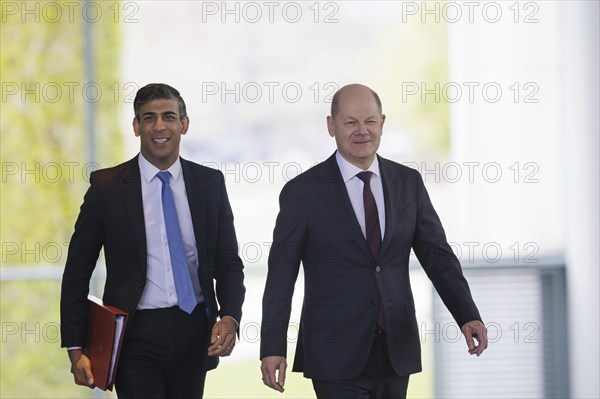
(155, 113)
(355, 119)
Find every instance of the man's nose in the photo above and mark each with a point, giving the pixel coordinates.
(159, 124)
(362, 128)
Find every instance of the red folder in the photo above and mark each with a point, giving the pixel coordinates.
(106, 328)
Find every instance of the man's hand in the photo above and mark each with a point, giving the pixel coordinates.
(81, 367)
(222, 338)
(269, 366)
(475, 329)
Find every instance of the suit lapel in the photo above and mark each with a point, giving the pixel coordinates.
(391, 189)
(132, 198)
(195, 185)
(335, 195)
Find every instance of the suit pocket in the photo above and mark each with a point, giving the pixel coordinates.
(323, 313)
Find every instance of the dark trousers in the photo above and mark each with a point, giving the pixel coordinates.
(164, 355)
(377, 381)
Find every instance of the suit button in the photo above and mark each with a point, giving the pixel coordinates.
(378, 269)
(373, 304)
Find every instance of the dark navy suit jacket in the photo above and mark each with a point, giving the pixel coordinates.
(112, 217)
(317, 227)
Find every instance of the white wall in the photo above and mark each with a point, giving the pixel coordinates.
(521, 138)
(581, 130)
(556, 138)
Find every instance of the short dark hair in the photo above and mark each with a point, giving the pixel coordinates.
(335, 101)
(157, 91)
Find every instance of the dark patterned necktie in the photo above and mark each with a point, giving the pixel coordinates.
(372, 229)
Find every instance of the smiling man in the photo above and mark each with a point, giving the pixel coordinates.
(352, 221)
(171, 260)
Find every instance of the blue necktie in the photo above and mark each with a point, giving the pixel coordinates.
(181, 274)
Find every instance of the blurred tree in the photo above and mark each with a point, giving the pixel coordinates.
(413, 78)
(43, 125)
(44, 159)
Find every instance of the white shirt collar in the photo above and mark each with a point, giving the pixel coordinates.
(149, 171)
(349, 171)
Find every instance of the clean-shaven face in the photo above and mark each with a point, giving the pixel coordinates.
(160, 128)
(357, 127)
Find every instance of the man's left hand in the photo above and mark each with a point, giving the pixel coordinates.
(222, 338)
(475, 329)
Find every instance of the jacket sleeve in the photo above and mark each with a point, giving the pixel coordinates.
(284, 263)
(84, 249)
(439, 262)
(228, 273)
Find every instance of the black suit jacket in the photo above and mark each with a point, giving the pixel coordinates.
(317, 226)
(112, 217)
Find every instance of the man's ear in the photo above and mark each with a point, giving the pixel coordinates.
(136, 127)
(185, 124)
(330, 126)
(382, 119)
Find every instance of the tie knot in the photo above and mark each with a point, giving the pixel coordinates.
(365, 176)
(164, 176)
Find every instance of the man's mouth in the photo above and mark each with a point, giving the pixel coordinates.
(160, 140)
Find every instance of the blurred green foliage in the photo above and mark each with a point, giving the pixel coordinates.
(43, 128)
(32, 363)
(44, 157)
(412, 80)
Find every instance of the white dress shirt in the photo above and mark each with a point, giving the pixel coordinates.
(159, 291)
(355, 186)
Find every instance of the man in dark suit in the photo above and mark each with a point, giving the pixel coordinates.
(167, 230)
(352, 221)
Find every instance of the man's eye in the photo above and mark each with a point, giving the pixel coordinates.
(350, 123)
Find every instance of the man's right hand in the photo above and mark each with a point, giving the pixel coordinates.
(270, 365)
(81, 367)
